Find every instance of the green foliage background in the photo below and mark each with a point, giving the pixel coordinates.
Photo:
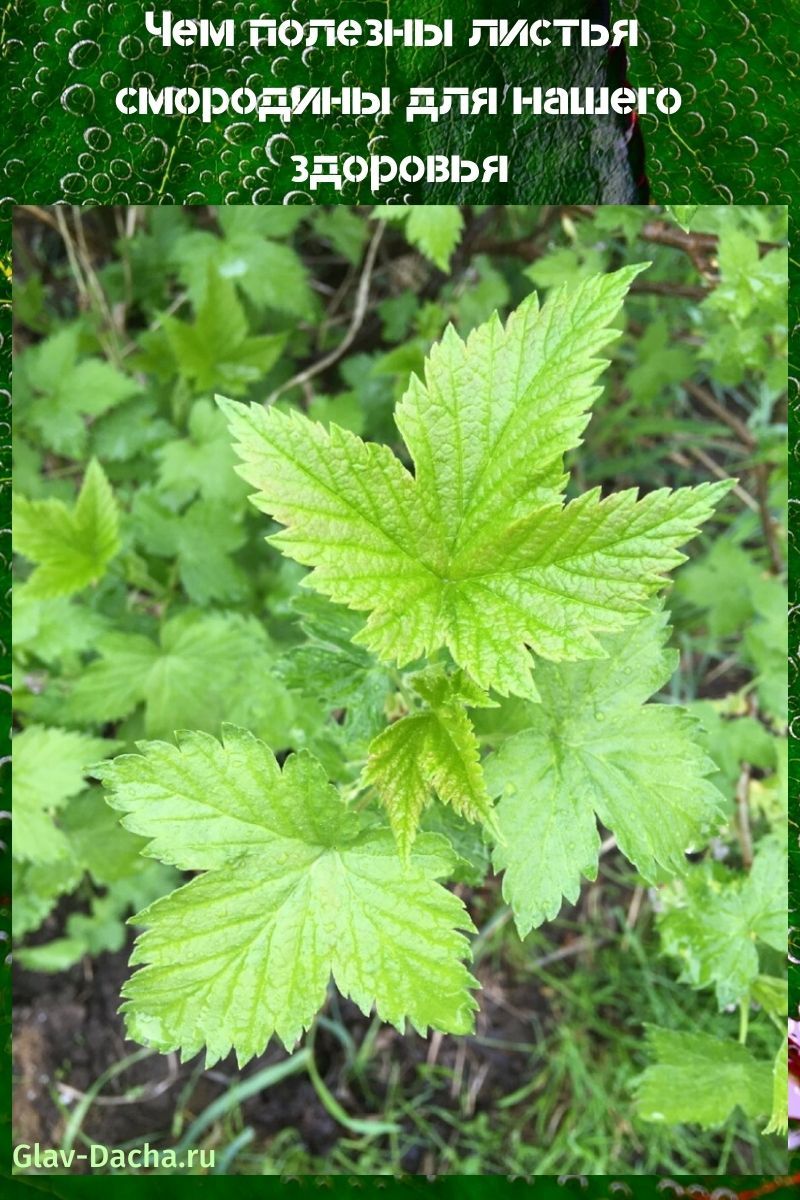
(173, 304)
(736, 66)
(729, 145)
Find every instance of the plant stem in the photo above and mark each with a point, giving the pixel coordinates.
(744, 1018)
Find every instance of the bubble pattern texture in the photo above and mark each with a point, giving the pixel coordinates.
(736, 66)
(794, 621)
(551, 1187)
(5, 666)
(65, 62)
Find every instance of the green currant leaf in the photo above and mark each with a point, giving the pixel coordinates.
(661, 362)
(36, 888)
(48, 767)
(205, 668)
(72, 547)
(103, 927)
(698, 1079)
(593, 749)
(202, 463)
(765, 645)
(779, 1115)
(53, 630)
(269, 273)
(477, 550)
(683, 214)
(295, 889)
(55, 390)
(215, 350)
(713, 920)
(721, 584)
(201, 539)
(435, 229)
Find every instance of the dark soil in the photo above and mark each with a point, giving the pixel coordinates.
(67, 1032)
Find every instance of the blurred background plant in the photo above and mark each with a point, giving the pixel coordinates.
(147, 600)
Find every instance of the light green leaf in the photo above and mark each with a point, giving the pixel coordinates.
(766, 645)
(489, 425)
(58, 955)
(267, 221)
(132, 429)
(565, 264)
(344, 410)
(683, 214)
(36, 888)
(344, 228)
(488, 290)
(721, 584)
(203, 462)
(270, 274)
(772, 993)
(745, 315)
(431, 752)
(476, 550)
(54, 391)
(733, 740)
(215, 349)
(48, 767)
(113, 684)
(697, 1079)
(435, 229)
(103, 927)
(205, 668)
(712, 920)
(201, 540)
(52, 630)
(297, 889)
(97, 840)
(594, 749)
(72, 547)
(661, 361)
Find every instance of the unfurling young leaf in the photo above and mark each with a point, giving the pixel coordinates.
(433, 751)
(477, 550)
(72, 547)
(330, 668)
(295, 889)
